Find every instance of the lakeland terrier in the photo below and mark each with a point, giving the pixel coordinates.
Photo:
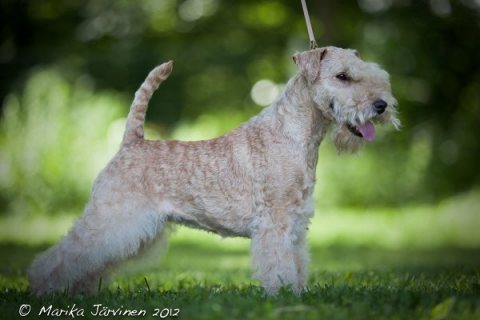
(255, 181)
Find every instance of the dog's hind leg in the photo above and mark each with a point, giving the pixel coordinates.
(105, 235)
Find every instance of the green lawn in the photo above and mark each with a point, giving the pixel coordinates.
(209, 281)
(407, 263)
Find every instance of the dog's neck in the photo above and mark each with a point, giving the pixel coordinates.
(301, 119)
(298, 119)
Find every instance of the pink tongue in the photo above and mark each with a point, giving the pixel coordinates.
(367, 130)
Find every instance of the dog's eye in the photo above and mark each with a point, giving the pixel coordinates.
(342, 76)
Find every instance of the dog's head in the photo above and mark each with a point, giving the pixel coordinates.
(354, 94)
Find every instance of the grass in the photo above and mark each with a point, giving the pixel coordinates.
(208, 281)
(410, 263)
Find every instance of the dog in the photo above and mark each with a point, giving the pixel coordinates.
(255, 181)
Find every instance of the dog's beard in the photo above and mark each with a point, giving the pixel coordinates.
(346, 141)
(343, 137)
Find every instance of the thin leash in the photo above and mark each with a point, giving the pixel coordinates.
(313, 43)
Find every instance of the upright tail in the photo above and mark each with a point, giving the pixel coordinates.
(136, 116)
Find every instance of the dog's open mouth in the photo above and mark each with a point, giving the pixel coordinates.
(365, 131)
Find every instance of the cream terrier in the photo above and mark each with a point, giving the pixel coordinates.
(255, 181)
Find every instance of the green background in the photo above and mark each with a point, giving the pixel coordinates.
(395, 233)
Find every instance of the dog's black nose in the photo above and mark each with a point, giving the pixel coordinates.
(379, 106)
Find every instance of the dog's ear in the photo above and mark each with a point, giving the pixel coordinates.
(309, 63)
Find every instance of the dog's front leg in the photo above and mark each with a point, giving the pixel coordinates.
(302, 261)
(275, 261)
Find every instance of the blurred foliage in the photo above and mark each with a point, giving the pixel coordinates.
(68, 70)
(51, 157)
(453, 223)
